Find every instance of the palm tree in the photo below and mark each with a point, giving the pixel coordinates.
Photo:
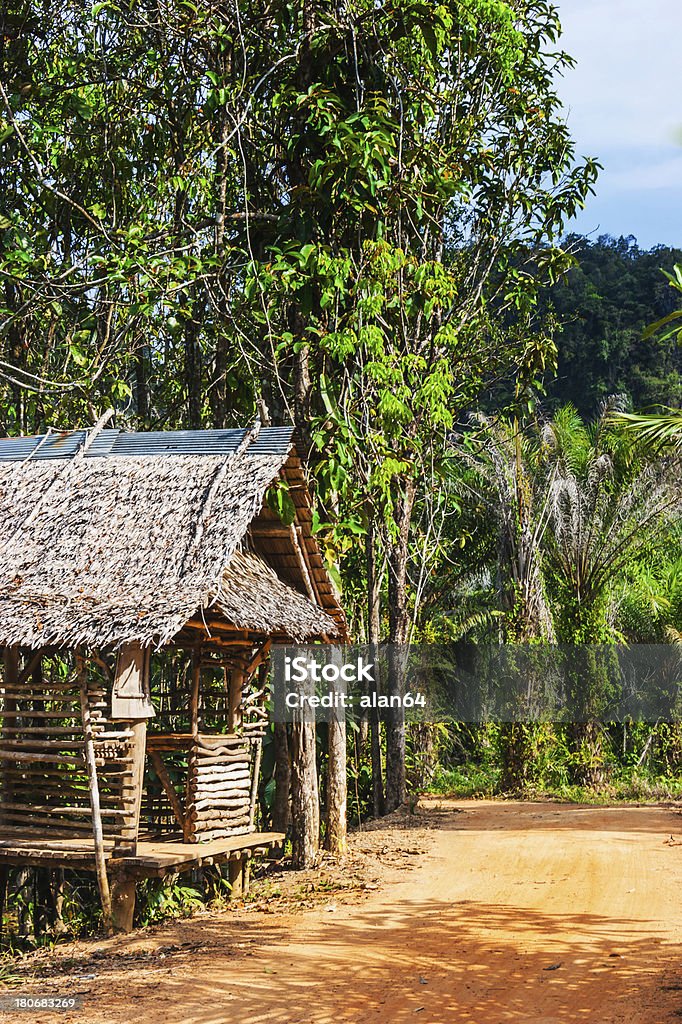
(575, 505)
(612, 499)
(512, 484)
(510, 481)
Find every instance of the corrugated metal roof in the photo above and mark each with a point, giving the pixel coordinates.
(64, 445)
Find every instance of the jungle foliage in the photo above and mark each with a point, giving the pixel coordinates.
(355, 213)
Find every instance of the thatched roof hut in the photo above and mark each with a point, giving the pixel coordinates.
(124, 538)
(143, 580)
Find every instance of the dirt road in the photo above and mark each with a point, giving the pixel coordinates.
(514, 912)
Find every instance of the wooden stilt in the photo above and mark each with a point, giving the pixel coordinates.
(93, 787)
(234, 718)
(194, 695)
(9, 704)
(122, 900)
(235, 877)
(246, 874)
(139, 745)
(193, 750)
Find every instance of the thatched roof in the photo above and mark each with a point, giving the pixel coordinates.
(108, 550)
(253, 597)
(297, 559)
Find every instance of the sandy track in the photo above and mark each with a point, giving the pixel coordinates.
(517, 912)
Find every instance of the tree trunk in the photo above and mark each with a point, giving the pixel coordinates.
(516, 753)
(589, 675)
(337, 787)
(399, 624)
(424, 754)
(373, 636)
(303, 390)
(305, 808)
(587, 746)
(193, 367)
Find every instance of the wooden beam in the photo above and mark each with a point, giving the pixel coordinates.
(303, 565)
(4, 872)
(33, 664)
(258, 658)
(130, 698)
(139, 748)
(236, 637)
(254, 783)
(131, 704)
(268, 529)
(194, 696)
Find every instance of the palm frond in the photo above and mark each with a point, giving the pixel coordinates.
(663, 429)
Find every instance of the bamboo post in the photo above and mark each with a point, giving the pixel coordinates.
(4, 874)
(11, 674)
(258, 752)
(337, 796)
(93, 787)
(139, 745)
(254, 782)
(193, 751)
(194, 696)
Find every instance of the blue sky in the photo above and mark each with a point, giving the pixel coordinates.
(624, 106)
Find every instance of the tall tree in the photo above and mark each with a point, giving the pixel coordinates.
(348, 207)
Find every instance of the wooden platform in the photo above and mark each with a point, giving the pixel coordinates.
(154, 858)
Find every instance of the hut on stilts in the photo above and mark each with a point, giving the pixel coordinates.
(143, 579)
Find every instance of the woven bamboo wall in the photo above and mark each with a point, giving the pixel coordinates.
(220, 780)
(44, 781)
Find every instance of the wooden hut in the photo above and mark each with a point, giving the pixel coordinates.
(143, 579)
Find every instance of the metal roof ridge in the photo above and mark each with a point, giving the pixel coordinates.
(114, 442)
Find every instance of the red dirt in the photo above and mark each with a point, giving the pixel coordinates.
(510, 912)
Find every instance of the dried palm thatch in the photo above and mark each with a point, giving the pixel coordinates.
(253, 597)
(103, 552)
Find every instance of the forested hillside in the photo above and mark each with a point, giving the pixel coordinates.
(603, 306)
